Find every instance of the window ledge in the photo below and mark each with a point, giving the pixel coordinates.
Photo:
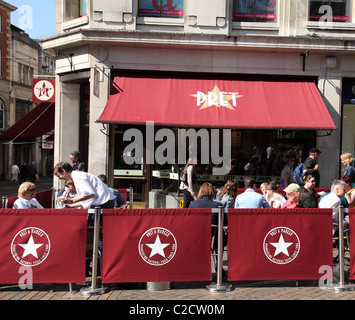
(330, 25)
(160, 21)
(256, 25)
(75, 23)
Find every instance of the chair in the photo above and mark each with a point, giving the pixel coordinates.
(214, 242)
(89, 247)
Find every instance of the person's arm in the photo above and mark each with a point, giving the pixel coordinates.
(78, 199)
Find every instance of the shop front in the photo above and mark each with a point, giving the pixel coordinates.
(235, 126)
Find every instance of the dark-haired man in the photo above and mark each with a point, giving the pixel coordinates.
(250, 198)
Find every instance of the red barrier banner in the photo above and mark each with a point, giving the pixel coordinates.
(42, 245)
(351, 214)
(145, 245)
(279, 244)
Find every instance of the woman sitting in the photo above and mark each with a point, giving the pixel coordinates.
(274, 199)
(227, 194)
(26, 197)
(205, 198)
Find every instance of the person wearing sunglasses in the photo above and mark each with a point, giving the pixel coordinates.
(26, 197)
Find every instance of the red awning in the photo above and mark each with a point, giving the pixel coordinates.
(216, 103)
(35, 123)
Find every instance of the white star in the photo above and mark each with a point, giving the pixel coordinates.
(281, 246)
(157, 247)
(30, 248)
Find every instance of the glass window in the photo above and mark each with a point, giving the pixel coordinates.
(339, 10)
(254, 10)
(22, 108)
(83, 8)
(161, 8)
(2, 115)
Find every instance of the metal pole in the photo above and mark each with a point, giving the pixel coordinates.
(219, 286)
(341, 286)
(131, 197)
(94, 290)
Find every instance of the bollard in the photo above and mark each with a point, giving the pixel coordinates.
(94, 290)
(341, 286)
(4, 202)
(220, 286)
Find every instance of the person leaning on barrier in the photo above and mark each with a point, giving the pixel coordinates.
(91, 191)
(119, 199)
(26, 197)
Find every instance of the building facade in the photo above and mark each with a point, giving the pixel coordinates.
(5, 72)
(303, 40)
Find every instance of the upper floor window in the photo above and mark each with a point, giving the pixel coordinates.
(161, 8)
(2, 115)
(255, 10)
(336, 10)
(76, 9)
(22, 108)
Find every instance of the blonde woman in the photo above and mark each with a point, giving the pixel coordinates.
(26, 197)
(348, 159)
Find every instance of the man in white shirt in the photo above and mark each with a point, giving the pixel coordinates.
(332, 200)
(91, 191)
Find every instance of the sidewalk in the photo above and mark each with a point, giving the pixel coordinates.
(9, 189)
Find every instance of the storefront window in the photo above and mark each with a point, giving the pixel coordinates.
(254, 10)
(2, 115)
(161, 8)
(337, 10)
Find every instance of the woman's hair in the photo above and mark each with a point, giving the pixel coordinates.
(69, 183)
(24, 187)
(264, 185)
(190, 161)
(347, 157)
(230, 188)
(206, 190)
(272, 186)
(307, 199)
(347, 179)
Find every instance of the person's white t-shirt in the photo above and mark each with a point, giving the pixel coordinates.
(330, 200)
(22, 203)
(87, 184)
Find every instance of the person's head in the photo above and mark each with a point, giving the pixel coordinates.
(347, 158)
(263, 187)
(103, 178)
(289, 161)
(293, 192)
(249, 182)
(206, 190)
(307, 199)
(70, 185)
(272, 186)
(63, 170)
(347, 179)
(338, 187)
(310, 182)
(27, 190)
(74, 156)
(314, 153)
(230, 188)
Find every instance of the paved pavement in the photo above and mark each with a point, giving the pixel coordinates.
(179, 291)
(9, 189)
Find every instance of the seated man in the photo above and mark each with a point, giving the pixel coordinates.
(250, 198)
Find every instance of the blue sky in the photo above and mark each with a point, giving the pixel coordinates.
(35, 17)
